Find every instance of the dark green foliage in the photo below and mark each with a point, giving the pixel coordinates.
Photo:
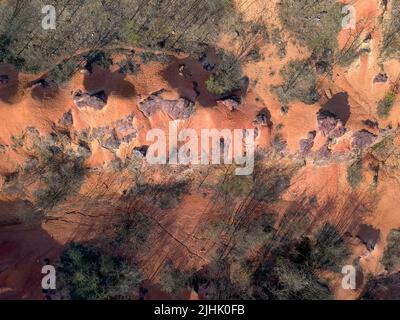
(330, 251)
(148, 56)
(63, 71)
(132, 232)
(386, 104)
(128, 66)
(391, 35)
(391, 256)
(384, 287)
(173, 280)
(62, 173)
(227, 75)
(354, 173)
(314, 24)
(299, 83)
(287, 280)
(101, 58)
(88, 273)
(271, 181)
(166, 195)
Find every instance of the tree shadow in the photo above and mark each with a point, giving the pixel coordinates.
(9, 84)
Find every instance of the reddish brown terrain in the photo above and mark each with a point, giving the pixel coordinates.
(350, 92)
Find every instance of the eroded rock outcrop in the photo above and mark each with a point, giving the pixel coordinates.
(95, 101)
(232, 103)
(381, 77)
(263, 118)
(307, 144)
(362, 139)
(177, 109)
(329, 124)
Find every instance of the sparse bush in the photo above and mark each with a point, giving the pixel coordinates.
(61, 171)
(286, 280)
(314, 24)
(148, 56)
(128, 66)
(132, 230)
(391, 256)
(354, 173)
(279, 42)
(227, 75)
(299, 83)
(271, 181)
(63, 72)
(88, 273)
(330, 251)
(173, 280)
(386, 104)
(391, 33)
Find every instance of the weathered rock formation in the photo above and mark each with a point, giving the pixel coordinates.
(176, 109)
(96, 101)
(362, 139)
(263, 118)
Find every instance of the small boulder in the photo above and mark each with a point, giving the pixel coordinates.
(150, 105)
(141, 151)
(381, 77)
(96, 101)
(179, 109)
(111, 141)
(232, 102)
(263, 118)
(67, 119)
(362, 139)
(307, 144)
(329, 124)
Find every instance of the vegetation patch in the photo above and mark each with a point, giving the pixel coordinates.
(299, 83)
(391, 256)
(391, 35)
(227, 75)
(314, 24)
(386, 104)
(354, 173)
(88, 273)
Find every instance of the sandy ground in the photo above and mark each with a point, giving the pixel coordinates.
(23, 249)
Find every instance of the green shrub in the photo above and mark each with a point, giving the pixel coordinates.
(132, 231)
(354, 173)
(386, 104)
(314, 24)
(391, 256)
(87, 273)
(227, 75)
(128, 66)
(299, 83)
(330, 251)
(391, 32)
(61, 171)
(173, 280)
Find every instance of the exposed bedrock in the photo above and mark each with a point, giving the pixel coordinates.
(95, 101)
